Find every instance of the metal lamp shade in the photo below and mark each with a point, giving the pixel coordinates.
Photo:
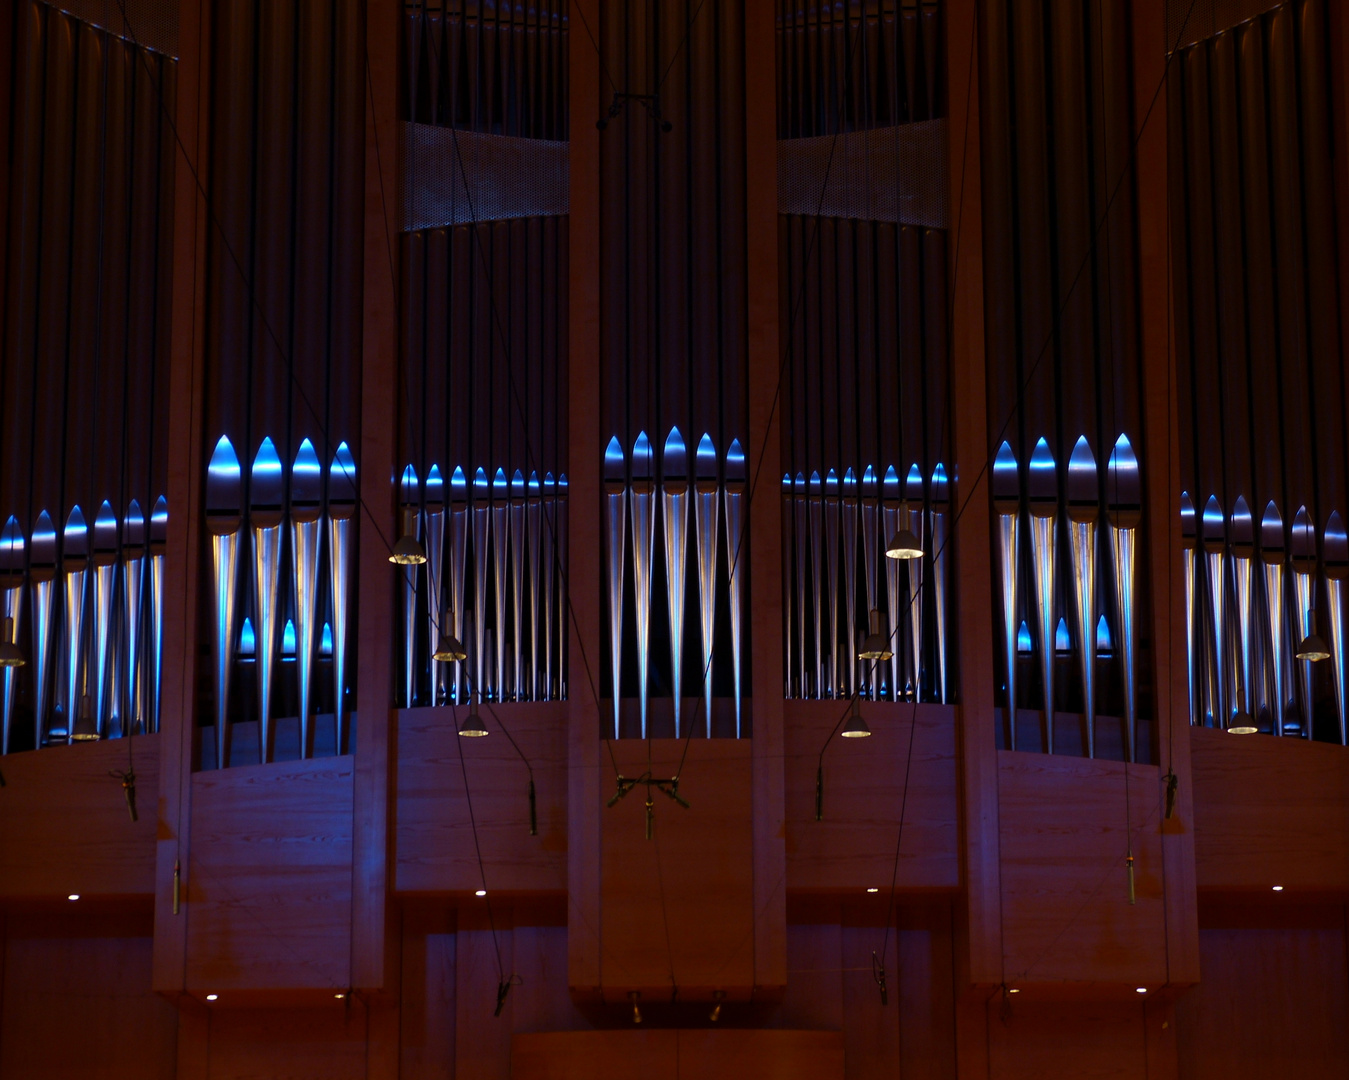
(11, 656)
(1313, 646)
(408, 552)
(856, 727)
(472, 728)
(86, 728)
(904, 545)
(876, 646)
(1243, 723)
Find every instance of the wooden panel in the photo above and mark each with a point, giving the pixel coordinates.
(1032, 1040)
(299, 1044)
(66, 829)
(435, 849)
(1065, 898)
(670, 1054)
(1273, 1002)
(78, 1002)
(1269, 812)
(267, 889)
(854, 846)
(678, 910)
(783, 1055)
(428, 994)
(595, 1055)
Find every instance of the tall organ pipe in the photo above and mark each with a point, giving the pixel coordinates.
(913, 502)
(458, 560)
(533, 525)
(891, 492)
(815, 507)
(75, 568)
(1083, 510)
(616, 502)
(133, 613)
(11, 591)
(735, 494)
(1189, 538)
(802, 556)
(433, 497)
(306, 532)
(501, 531)
(342, 500)
(104, 563)
(1007, 507)
(675, 517)
(264, 517)
(224, 519)
(706, 510)
(941, 501)
(547, 558)
(848, 676)
(1042, 489)
(1242, 544)
(1336, 548)
(831, 527)
(517, 563)
(1214, 539)
(1272, 556)
(159, 546)
(1304, 581)
(643, 495)
(1124, 505)
(871, 506)
(481, 514)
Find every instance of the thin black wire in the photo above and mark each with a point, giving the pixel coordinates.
(477, 847)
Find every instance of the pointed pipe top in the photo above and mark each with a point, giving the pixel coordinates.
(74, 542)
(643, 464)
(891, 489)
(267, 488)
(1212, 527)
(458, 486)
(1304, 542)
(735, 468)
(407, 487)
(675, 463)
(871, 487)
(342, 492)
(105, 536)
(133, 530)
(562, 485)
(532, 484)
(43, 554)
(549, 485)
(941, 487)
(224, 490)
(1189, 526)
(849, 486)
(1336, 547)
(11, 555)
(1242, 531)
(800, 485)
(518, 487)
(434, 491)
(913, 485)
(1124, 486)
(1042, 482)
(1084, 492)
(481, 488)
(815, 485)
(306, 484)
(831, 485)
(1006, 480)
(705, 464)
(501, 487)
(615, 468)
(159, 526)
(1272, 540)
(786, 483)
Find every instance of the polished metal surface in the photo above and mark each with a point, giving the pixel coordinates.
(941, 503)
(264, 518)
(1189, 534)
(101, 682)
(616, 502)
(1007, 506)
(1335, 547)
(1241, 541)
(871, 506)
(1124, 507)
(1272, 556)
(533, 527)
(224, 511)
(1042, 488)
(547, 560)
(1303, 551)
(643, 495)
(891, 499)
(913, 511)
(848, 507)
(1083, 510)
(134, 549)
(675, 518)
(802, 559)
(74, 570)
(433, 498)
(1214, 541)
(517, 565)
(562, 601)
(831, 528)
(42, 570)
(342, 502)
(736, 489)
(306, 524)
(501, 537)
(706, 511)
(480, 513)
(788, 579)
(815, 510)
(458, 530)
(12, 566)
(159, 545)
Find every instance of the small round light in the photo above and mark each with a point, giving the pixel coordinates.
(339, 996)
(73, 896)
(1014, 990)
(1277, 888)
(1142, 989)
(211, 997)
(481, 892)
(873, 889)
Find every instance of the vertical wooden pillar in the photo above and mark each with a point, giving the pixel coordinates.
(979, 944)
(583, 570)
(765, 518)
(181, 568)
(1160, 460)
(371, 828)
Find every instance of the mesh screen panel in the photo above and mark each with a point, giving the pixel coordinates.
(1188, 21)
(488, 177)
(885, 174)
(152, 24)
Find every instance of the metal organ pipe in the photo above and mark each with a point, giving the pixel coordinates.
(224, 518)
(1083, 507)
(891, 492)
(1336, 548)
(643, 495)
(306, 514)
(848, 676)
(458, 528)
(104, 682)
(42, 573)
(706, 510)
(831, 527)
(75, 566)
(1214, 540)
(264, 517)
(736, 487)
(1272, 554)
(1304, 569)
(501, 525)
(1242, 533)
(517, 565)
(1007, 507)
(815, 508)
(675, 515)
(1124, 506)
(871, 505)
(533, 526)
(481, 513)
(11, 591)
(941, 500)
(433, 495)
(342, 500)
(615, 499)
(133, 593)
(1042, 488)
(913, 511)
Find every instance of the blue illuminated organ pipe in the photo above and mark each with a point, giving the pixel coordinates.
(342, 500)
(137, 717)
(615, 503)
(849, 507)
(736, 492)
(832, 510)
(802, 545)
(459, 525)
(642, 489)
(517, 565)
(533, 526)
(433, 494)
(815, 510)
(940, 494)
(675, 517)
(482, 515)
(706, 513)
(871, 548)
(562, 608)
(501, 514)
(1303, 551)
(892, 513)
(1335, 546)
(1083, 509)
(1007, 509)
(1124, 509)
(12, 558)
(1272, 556)
(306, 512)
(1241, 541)
(408, 489)
(913, 511)
(1189, 542)
(224, 519)
(265, 514)
(1213, 538)
(75, 568)
(1043, 504)
(101, 682)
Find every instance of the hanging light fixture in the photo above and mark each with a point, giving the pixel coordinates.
(85, 730)
(449, 649)
(408, 551)
(904, 544)
(1313, 646)
(1243, 723)
(856, 727)
(10, 653)
(472, 727)
(876, 646)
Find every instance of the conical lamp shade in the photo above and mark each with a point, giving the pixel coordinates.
(85, 730)
(1243, 723)
(10, 654)
(1313, 646)
(856, 727)
(876, 646)
(472, 728)
(408, 552)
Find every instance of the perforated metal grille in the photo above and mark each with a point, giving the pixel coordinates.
(1188, 21)
(886, 174)
(482, 178)
(152, 24)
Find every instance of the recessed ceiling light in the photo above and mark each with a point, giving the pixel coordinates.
(873, 889)
(211, 997)
(1014, 990)
(481, 892)
(73, 896)
(1142, 989)
(339, 996)
(1277, 888)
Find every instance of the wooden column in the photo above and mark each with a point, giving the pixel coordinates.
(586, 757)
(979, 941)
(371, 827)
(182, 563)
(765, 518)
(1161, 522)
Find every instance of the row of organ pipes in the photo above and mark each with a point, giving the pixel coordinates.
(305, 519)
(688, 500)
(1245, 629)
(1082, 499)
(830, 521)
(95, 602)
(494, 552)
